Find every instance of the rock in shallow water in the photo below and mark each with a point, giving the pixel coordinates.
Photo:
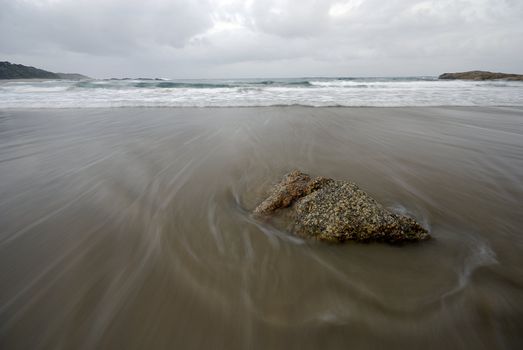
(337, 211)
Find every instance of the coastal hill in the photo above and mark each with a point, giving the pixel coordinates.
(18, 71)
(480, 75)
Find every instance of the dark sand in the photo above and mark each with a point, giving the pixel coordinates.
(130, 228)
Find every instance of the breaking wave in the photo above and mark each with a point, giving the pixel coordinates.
(315, 92)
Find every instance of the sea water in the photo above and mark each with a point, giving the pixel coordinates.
(316, 92)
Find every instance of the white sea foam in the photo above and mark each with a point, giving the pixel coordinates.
(259, 92)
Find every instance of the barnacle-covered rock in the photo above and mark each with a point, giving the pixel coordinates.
(336, 211)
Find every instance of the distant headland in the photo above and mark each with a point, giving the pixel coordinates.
(19, 71)
(480, 75)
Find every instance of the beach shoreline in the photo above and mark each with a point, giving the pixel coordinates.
(116, 218)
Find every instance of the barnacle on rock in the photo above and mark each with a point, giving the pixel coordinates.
(337, 211)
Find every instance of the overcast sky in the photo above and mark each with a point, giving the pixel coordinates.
(262, 38)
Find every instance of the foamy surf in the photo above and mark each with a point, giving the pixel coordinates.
(314, 92)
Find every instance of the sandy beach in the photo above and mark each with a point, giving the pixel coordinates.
(132, 228)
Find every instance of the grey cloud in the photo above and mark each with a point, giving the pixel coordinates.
(101, 27)
(292, 18)
(212, 38)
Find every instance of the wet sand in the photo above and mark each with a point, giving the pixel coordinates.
(130, 228)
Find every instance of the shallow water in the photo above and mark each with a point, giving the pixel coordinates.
(130, 228)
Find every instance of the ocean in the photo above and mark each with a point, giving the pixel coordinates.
(315, 92)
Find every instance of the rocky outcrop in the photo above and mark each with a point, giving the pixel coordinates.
(337, 211)
(18, 71)
(480, 75)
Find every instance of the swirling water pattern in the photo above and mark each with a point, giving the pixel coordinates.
(130, 228)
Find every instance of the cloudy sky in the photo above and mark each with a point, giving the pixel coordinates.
(262, 38)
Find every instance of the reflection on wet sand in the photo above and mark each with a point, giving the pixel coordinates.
(131, 228)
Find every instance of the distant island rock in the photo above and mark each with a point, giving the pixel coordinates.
(480, 75)
(336, 211)
(71, 76)
(19, 71)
